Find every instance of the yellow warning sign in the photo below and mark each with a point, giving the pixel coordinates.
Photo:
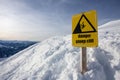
(85, 29)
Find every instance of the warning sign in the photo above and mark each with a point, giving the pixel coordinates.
(84, 29)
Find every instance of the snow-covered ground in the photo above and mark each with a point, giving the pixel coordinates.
(56, 59)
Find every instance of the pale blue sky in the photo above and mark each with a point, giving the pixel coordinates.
(40, 19)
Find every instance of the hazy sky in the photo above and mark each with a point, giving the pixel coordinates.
(40, 19)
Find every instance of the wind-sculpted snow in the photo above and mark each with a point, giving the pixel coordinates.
(56, 59)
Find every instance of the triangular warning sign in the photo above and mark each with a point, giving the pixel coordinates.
(84, 26)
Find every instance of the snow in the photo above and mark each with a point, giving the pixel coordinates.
(56, 59)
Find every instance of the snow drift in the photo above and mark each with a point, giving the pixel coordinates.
(56, 59)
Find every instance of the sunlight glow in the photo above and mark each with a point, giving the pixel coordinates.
(6, 25)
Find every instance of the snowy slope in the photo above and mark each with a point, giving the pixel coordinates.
(56, 59)
(110, 27)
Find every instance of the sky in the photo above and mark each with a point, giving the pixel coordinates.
(36, 20)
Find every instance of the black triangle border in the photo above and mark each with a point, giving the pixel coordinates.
(78, 30)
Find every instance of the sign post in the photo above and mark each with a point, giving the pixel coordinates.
(84, 60)
(85, 33)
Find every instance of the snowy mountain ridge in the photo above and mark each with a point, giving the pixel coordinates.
(112, 26)
(56, 59)
(114, 23)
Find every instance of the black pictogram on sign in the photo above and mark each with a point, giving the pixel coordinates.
(79, 26)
